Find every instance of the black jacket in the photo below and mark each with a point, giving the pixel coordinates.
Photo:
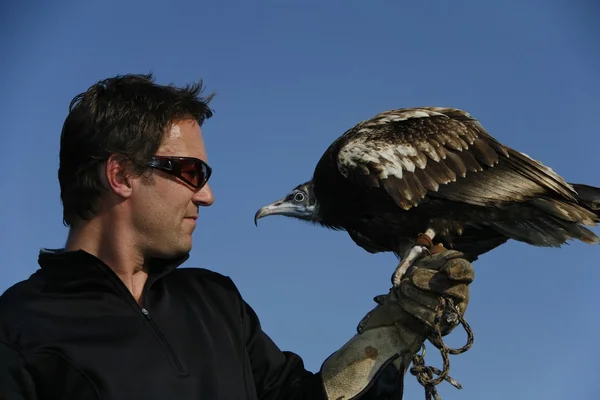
(74, 331)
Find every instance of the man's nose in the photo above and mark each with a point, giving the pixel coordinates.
(204, 197)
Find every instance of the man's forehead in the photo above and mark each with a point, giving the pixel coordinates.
(184, 135)
(187, 126)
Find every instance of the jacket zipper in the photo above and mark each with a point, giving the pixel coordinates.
(170, 352)
(172, 355)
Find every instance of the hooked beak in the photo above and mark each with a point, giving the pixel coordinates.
(270, 209)
(279, 207)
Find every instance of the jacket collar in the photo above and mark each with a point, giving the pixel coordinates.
(79, 267)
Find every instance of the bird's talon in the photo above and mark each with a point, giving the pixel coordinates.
(414, 254)
(424, 240)
(438, 248)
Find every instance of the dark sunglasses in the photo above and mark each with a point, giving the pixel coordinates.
(192, 171)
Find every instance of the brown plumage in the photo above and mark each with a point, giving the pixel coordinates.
(404, 171)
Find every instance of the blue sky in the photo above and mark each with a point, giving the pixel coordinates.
(290, 77)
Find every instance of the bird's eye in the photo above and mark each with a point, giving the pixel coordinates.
(299, 197)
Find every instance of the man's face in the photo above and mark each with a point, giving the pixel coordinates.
(164, 211)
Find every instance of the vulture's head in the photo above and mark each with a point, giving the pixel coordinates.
(299, 203)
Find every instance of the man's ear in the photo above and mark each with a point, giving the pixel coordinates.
(118, 180)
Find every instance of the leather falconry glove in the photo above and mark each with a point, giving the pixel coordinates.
(394, 331)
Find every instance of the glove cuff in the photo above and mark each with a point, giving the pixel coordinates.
(353, 369)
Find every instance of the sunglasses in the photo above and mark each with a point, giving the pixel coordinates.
(192, 171)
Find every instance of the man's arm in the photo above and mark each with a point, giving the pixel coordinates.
(280, 375)
(277, 374)
(15, 381)
(372, 364)
(393, 332)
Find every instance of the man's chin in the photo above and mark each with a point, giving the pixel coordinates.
(181, 249)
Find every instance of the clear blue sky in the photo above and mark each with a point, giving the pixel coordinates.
(291, 76)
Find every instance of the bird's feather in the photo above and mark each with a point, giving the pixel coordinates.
(404, 171)
(439, 151)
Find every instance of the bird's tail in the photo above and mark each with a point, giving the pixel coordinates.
(588, 196)
(562, 221)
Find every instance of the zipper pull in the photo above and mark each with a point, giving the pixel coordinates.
(146, 313)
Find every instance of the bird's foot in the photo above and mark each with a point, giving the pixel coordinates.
(425, 240)
(414, 253)
(424, 246)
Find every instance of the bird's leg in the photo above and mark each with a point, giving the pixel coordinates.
(423, 246)
(409, 257)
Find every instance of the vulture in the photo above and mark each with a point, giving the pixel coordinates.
(409, 176)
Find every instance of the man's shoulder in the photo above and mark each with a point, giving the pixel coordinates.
(16, 293)
(15, 302)
(205, 286)
(203, 274)
(205, 279)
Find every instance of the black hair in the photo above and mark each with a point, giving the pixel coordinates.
(125, 115)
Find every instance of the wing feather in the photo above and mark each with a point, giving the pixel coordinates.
(445, 152)
(469, 161)
(484, 153)
(429, 148)
(427, 181)
(456, 164)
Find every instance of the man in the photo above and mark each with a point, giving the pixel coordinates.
(111, 316)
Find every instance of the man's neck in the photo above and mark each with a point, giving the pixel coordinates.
(115, 249)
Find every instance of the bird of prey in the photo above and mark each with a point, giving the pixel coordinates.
(406, 176)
